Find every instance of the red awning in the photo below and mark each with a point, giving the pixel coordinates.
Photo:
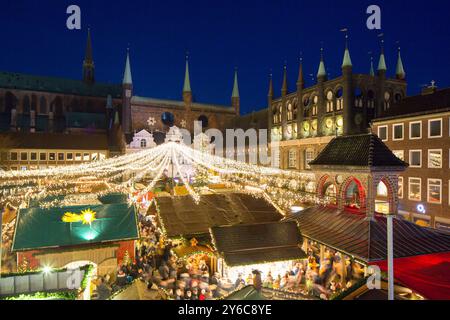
(428, 275)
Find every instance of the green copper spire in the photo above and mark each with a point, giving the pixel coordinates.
(187, 81)
(347, 62)
(235, 93)
(127, 79)
(400, 71)
(382, 62)
(322, 71)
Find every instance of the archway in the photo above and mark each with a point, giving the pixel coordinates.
(385, 197)
(353, 194)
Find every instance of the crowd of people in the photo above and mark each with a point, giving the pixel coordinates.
(316, 278)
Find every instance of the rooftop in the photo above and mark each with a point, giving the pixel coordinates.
(10, 80)
(258, 243)
(365, 150)
(366, 239)
(181, 216)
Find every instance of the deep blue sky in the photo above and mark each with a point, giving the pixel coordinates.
(255, 36)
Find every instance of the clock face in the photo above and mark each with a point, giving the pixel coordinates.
(387, 96)
(329, 123)
(339, 179)
(358, 118)
(306, 126)
(314, 125)
(340, 122)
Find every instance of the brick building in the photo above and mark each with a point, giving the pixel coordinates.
(305, 121)
(417, 130)
(38, 106)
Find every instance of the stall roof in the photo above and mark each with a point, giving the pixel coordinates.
(366, 239)
(39, 228)
(181, 216)
(258, 243)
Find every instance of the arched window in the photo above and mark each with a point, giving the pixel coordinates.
(10, 102)
(339, 99)
(143, 143)
(387, 100)
(34, 102)
(58, 107)
(168, 119)
(295, 109)
(370, 99)
(330, 193)
(315, 102)
(330, 102)
(43, 105)
(354, 194)
(290, 110)
(26, 105)
(358, 98)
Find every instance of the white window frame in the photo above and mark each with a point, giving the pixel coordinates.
(410, 158)
(429, 162)
(400, 196)
(311, 151)
(393, 132)
(428, 190)
(292, 159)
(409, 189)
(387, 132)
(410, 130)
(429, 128)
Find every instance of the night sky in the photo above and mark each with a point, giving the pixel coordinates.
(254, 36)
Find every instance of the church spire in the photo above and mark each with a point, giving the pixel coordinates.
(88, 64)
(321, 73)
(400, 71)
(187, 81)
(235, 93)
(127, 79)
(382, 62)
(347, 62)
(284, 87)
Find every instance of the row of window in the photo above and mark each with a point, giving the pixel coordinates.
(434, 190)
(292, 158)
(52, 156)
(435, 158)
(435, 130)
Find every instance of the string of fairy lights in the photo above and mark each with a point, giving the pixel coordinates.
(148, 167)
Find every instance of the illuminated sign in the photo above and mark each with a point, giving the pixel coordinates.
(86, 217)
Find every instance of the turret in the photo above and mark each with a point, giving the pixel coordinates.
(127, 87)
(88, 63)
(235, 99)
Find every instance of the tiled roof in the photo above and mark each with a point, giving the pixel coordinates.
(10, 80)
(180, 104)
(258, 243)
(366, 239)
(366, 150)
(421, 104)
(182, 216)
(38, 140)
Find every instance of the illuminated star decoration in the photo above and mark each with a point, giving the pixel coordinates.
(183, 123)
(86, 217)
(151, 121)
